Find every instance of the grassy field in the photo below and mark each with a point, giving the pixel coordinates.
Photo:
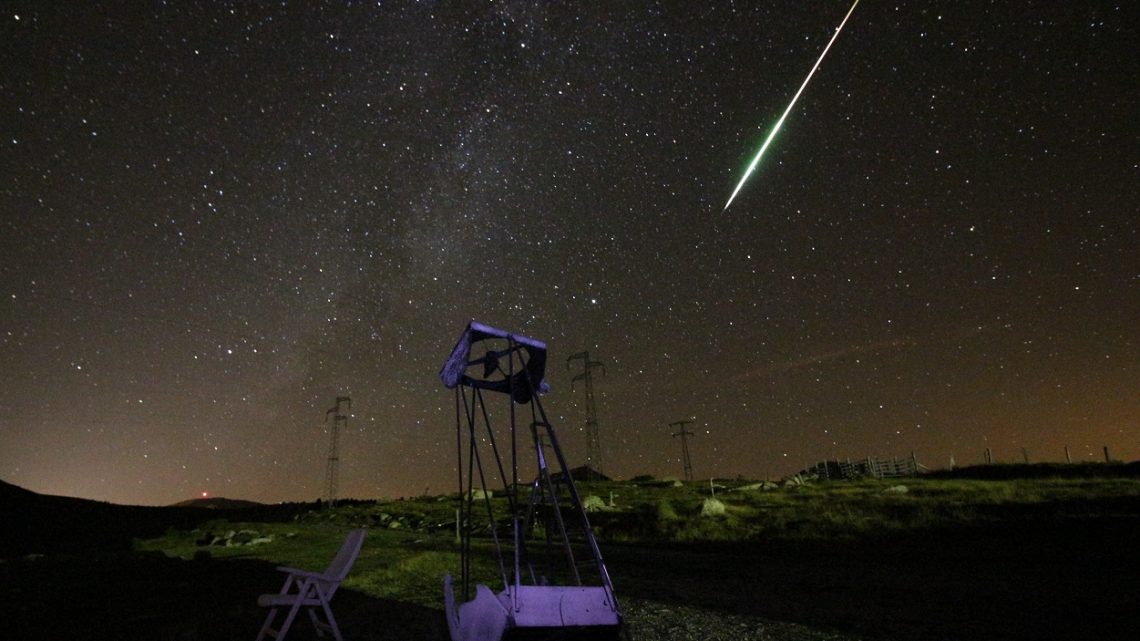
(927, 557)
(411, 537)
(996, 552)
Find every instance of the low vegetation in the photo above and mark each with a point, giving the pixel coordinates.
(1012, 552)
(412, 542)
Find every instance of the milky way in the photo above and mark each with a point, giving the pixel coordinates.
(215, 218)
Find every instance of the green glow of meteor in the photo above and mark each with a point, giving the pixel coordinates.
(780, 122)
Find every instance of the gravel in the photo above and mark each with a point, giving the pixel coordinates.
(652, 620)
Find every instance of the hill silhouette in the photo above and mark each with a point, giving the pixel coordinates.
(219, 503)
(42, 523)
(34, 523)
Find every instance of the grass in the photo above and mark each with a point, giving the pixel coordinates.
(858, 509)
(411, 544)
(977, 555)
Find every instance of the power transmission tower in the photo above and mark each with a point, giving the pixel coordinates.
(684, 434)
(593, 448)
(331, 468)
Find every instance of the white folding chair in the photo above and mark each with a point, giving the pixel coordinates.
(311, 590)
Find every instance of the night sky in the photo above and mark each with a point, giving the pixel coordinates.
(217, 217)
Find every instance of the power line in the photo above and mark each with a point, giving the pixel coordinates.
(684, 434)
(331, 468)
(593, 446)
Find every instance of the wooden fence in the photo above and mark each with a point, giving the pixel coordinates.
(868, 467)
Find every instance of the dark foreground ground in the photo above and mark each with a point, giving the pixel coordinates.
(1058, 580)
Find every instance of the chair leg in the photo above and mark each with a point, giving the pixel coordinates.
(329, 623)
(268, 625)
(318, 625)
(280, 633)
(288, 620)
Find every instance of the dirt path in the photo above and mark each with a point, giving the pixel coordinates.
(1010, 583)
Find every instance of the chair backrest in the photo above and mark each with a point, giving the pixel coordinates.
(346, 556)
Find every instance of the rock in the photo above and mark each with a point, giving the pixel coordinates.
(243, 537)
(896, 489)
(593, 503)
(712, 507)
(762, 486)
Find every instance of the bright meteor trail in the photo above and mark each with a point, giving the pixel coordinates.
(780, 122)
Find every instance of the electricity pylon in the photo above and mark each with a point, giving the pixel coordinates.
(331, 468)
(684, 434)
(593, 448)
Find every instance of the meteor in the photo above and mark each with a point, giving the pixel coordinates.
(780, 122)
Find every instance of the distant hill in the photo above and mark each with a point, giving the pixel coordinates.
(220, 503)
(32, 523)
(14, 492)
(42, 523)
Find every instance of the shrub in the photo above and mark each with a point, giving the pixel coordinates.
(665, 512)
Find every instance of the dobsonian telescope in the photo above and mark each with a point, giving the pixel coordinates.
(512, 473)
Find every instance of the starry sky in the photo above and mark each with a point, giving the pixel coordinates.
(217, 217)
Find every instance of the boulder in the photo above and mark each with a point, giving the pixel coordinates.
(593, 503)
(712, 507)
